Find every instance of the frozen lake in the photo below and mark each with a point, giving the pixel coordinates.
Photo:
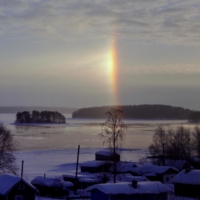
(81, 132)
(52, 149)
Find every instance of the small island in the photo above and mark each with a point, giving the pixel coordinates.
(40, 117)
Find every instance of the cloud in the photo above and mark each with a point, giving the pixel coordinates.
(146, 20)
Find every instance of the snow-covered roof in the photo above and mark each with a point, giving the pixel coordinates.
(187, 177)
(127, 167)
(7, 182)
(93, 163)
(88, 180)
(179, 164)
(143, 187)
(149, 174)
(155, 169)
(79, 175)
(50, 182)
(66, 184)
(129, 178)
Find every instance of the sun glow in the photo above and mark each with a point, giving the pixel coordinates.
(112, 70)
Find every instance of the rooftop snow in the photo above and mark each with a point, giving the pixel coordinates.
(80, 175)
(50, 182)
(129, 178)
(179, 164)
(191, 177)
(127, 167)
(93, 163)
(8, 181)
(156, 169)
(143, 187)
(88, 180)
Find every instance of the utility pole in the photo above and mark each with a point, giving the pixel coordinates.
(76, 178)
(22, 169)
(163, 145)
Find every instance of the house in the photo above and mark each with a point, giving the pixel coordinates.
(15, 187)
(83, 180)
(52, 187)
(71, 177)
(163, 174)
(95, 166)
(178, 164)
(86, 182)
(187, 183)
(129, 191)
(129, 178)
(126, 167)
(107, 156)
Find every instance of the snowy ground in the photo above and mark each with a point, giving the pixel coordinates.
(54, 163)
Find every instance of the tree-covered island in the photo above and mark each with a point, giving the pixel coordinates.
(40, 117)
(146, 112)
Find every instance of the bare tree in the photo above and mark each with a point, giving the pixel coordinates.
(172, 144)
(113, 132)
(7, 149)
(196, 140)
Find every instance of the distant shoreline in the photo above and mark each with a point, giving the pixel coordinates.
(15, 109)
(36, 124)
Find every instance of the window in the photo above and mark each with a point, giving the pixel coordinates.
(19, 197)
(21, 187)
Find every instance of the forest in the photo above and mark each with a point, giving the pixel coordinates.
(40, 117)
(194, 117)
(137, 112)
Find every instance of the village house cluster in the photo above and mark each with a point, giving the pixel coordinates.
(177, 179)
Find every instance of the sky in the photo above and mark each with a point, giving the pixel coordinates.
(87, 53)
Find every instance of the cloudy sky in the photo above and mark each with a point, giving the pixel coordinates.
(56, 53)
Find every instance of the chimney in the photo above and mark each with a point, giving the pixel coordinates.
(134, 184)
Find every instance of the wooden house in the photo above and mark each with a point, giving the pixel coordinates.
(126, 191)
(163, 174)
(126, 167)
(83, 179)
(95, 166)
(51, 187)
(187, 183)
(178, 164)
(106, 156)
(14, 187)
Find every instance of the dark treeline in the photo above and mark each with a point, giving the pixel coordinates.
(194, 117)
(40, 117)
(16, 109)
(137, 112)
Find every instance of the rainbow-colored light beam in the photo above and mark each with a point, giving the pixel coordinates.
(113, 70)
